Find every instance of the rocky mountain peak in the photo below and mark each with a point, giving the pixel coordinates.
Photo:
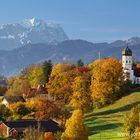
(33, 31)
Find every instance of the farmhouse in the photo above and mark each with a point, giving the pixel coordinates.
(41, 91)
(17, 128)
(7, 100)
(132, 72)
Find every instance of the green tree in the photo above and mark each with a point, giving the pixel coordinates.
(75, 127)
(80, 63)
(47, 68)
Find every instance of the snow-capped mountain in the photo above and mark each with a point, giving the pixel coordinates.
(30, 31)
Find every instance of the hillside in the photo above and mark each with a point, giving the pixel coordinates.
(106, 123)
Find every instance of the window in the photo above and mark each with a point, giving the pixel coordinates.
(137, 80)
(126, 61)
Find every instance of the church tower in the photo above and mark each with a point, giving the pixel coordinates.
(127, 63)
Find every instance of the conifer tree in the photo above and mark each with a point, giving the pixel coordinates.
(47, 68)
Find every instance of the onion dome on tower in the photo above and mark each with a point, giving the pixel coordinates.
(126, 51)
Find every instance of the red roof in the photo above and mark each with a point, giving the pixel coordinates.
(33, 92)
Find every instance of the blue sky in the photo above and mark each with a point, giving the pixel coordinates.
(92, 20)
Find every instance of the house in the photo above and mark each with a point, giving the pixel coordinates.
(130, 72)
(17, 128)
(41, 91)
(7, 100)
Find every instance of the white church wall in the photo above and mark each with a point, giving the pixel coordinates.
(127, 62)
(131, 76)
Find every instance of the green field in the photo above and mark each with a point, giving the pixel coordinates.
(106, 123)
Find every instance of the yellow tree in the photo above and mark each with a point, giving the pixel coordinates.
(58, 68)
(18, 85)
(34, 74)
(75, 127)
(107, 81)
(81, 98)
(132, 122)
(18, 110)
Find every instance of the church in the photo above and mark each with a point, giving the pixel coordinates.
(132, 72)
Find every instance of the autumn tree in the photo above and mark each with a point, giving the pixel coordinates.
(32, 104)
(81, 98)
(34, 74)
(59, 68)
(60, 83)
(18, 85)
(132, 121)
(46, 109)
(18, 110)
(47, 68)
(75, 127)
(107, 81)
(61, 112)
(4, 112)
(59, 86)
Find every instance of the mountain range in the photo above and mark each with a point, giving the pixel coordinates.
(30, 31)
(13, 61)
(34, 41)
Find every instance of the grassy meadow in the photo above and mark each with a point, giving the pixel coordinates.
(106, 123)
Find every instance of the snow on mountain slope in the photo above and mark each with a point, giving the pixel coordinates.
(30, 31)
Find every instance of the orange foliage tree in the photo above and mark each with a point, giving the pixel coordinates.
(46, 109)
(62, 77)
(107, 81)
